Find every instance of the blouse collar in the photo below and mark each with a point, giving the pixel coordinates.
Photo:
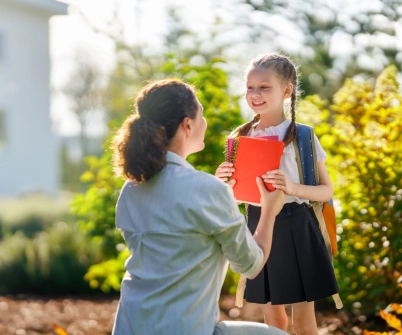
(279, 130)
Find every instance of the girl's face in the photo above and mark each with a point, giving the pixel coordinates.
(266, 92)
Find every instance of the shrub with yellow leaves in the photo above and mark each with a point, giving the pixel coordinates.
(361, 130)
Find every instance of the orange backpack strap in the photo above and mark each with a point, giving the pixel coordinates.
(328, 212)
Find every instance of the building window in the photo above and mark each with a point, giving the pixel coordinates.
(3, 139)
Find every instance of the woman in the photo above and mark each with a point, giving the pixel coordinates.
(180, 225)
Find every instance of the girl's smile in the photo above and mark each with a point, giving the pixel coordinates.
(258, 103)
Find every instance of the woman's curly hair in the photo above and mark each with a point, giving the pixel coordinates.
(140, 145)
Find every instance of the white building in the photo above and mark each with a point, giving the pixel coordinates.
(29, 157)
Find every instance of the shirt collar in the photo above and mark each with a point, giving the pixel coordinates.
(280, 129)
(173, 158)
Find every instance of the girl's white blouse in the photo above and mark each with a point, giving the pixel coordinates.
(288, 160)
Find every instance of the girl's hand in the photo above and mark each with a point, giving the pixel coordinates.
(279, 180)
(224, 171)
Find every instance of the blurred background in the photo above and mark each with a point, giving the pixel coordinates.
(69, 71)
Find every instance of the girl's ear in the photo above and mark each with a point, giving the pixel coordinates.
(288, 91)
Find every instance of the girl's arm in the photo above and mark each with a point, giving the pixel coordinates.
(322, 192)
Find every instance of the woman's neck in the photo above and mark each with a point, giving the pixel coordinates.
(270, 121)
(177, 147)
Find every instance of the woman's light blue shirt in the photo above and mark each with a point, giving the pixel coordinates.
(181, 227)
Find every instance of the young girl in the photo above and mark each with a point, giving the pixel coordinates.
(299, 270)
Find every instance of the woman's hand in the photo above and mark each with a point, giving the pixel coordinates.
(271, 202)
(224, 171)
(279, 180)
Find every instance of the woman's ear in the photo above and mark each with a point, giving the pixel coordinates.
(186, 125)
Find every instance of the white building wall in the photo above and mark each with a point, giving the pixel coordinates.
(29, 156)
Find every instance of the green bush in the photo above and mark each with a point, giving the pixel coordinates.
(32, 213)
(52, 262)
(230, 284)
(364, 140)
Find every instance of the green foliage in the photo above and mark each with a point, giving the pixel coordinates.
(53, 262)
(70, 171)
(230, 284)
(365, 146)
(96, 208)
(32, 213)
(107, 275)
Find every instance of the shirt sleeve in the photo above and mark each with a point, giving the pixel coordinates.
(321, 154)
(227, 225)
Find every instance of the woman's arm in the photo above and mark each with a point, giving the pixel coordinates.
(322, 192)
(246, 253)
(271, 204)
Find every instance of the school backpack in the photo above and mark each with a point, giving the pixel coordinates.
(306, 158)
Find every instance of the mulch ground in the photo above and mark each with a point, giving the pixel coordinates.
(28, 315)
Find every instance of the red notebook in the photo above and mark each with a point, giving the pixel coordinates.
(252, 157)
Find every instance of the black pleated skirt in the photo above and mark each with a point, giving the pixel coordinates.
(299, 267)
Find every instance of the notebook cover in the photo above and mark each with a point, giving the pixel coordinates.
(231, 143)
(253, 157)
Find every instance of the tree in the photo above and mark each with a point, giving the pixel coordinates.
(331, 40)
(339, 39)
(84, 91)
(132, 68)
